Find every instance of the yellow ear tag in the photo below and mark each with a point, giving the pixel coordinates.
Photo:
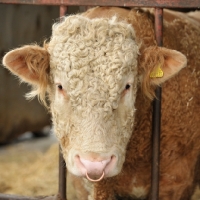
(157, 73)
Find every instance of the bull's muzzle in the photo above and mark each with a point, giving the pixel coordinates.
(95, 169)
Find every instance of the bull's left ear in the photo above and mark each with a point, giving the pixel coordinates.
(158, 64)
(161, 63)
(30, 63)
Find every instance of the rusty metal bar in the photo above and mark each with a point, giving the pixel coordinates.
(15, 197)
(156, 116)
(63, 10)
(62, 183)
(62, 177)
(123, 3)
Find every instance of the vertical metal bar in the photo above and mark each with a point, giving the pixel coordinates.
(156, 117)
(159, 26)
(63, 10)
(62, 177)
(62, 183)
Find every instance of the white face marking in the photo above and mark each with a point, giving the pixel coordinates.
(139, 192)
(94, 73)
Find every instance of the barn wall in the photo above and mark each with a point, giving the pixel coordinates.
(21, 24)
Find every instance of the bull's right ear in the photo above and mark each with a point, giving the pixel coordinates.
(30, 63)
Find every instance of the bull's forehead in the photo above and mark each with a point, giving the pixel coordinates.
(93, 58)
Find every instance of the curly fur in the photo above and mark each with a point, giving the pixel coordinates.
(97, 54)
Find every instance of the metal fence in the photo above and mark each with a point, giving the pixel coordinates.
(158, 5)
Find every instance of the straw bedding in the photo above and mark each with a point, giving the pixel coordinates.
(35, 173)
(29, 173)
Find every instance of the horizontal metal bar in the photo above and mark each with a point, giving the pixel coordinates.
(17, 197)
(123, 3)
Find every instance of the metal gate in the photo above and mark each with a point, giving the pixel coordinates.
(158, 5)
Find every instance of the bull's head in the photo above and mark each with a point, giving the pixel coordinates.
(89, 70)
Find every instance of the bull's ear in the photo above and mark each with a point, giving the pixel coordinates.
(30, 63)
(158, 64)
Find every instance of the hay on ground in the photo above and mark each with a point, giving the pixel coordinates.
(35, 173)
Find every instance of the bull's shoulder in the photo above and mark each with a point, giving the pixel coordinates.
(192, 18)
(195, 16)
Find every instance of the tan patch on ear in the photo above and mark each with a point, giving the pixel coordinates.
(37, 61)
(149, 61)
(19, 61)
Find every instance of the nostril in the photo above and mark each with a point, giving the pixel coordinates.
(96, 170)
(110, 168)
(94, 167)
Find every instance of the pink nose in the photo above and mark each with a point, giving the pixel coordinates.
(95, 170)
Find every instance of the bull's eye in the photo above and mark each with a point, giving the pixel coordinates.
(127, 86)
(60, 87)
